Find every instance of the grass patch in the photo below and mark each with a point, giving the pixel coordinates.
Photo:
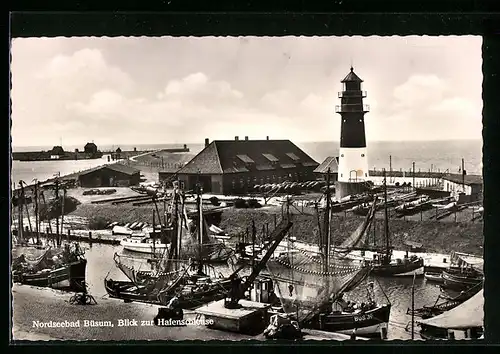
(435, 236)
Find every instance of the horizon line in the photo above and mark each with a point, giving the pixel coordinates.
(298, 141)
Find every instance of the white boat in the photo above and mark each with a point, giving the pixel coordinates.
(121, 230)
(142, 244)
(434, 277)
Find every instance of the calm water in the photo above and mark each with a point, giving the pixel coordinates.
(101, 264)
(438, 155)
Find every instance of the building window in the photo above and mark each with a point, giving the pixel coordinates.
(366, 174)
(342, 155)
(362, 155)
(341, 175)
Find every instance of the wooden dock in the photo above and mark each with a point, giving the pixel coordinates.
(250, 317)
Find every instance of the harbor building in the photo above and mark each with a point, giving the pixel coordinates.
(236, 166)
(331, 164)
(115, 175)
(470, 185)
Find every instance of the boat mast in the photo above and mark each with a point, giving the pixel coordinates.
(386, 220)
(327, 216)
(62, 212)
(200, 230)
(57, 216)
(21, 183)
(37, 218)
(154, 235)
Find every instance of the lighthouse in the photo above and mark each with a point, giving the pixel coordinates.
(353, 159)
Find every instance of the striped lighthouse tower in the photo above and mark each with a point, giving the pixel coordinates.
(353, 161)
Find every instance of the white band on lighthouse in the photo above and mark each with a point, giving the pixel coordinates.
(353, 165)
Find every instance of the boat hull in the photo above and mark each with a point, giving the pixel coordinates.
(459, 282)
(127, 291)
(71, 276)
(435, 278)
(408, 268)
(143, 247)
(368, 323)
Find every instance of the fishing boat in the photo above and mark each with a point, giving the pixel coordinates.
(382, 261)
(307, 286)
(465, 271)
(191, 283)
(414, 206)
(61, 268)
(142, 244)
(434, 277)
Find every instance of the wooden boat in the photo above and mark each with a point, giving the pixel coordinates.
(461, 279)
(367, 321)
(398, 267)
(434, 277)
(191, 291)
(173, 278)
(309, 286)
(66, 270)
(143, 244)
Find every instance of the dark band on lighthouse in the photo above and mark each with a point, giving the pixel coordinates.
(352, 110)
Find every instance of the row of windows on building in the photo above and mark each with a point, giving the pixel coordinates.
(249, 181)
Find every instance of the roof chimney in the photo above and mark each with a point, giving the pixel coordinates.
(207, 142)
(236, 138)
(246, 138)
(267, 137)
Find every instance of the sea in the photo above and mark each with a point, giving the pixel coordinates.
(436, 156)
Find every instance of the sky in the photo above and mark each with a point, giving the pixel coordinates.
(161, 90)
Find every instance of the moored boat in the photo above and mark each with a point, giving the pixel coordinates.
(434, 277)
(62, 269)
(407, 266)
(143, 244)
(461, 279)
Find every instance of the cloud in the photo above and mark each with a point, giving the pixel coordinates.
(145, 90)
(425, 106)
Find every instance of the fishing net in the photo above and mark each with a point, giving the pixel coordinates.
(305, 288)
(359, 234)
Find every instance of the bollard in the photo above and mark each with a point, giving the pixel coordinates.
(90, 235)
(383, 332)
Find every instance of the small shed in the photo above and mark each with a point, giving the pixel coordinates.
(115, 175)
(330, 163)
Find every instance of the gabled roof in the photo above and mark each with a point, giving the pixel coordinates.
(115, 167)
(351, 77)
(330, 162)
(468, 179)
(206, 162)
(233, 156)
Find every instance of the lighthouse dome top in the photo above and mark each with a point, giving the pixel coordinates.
(351, 77)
